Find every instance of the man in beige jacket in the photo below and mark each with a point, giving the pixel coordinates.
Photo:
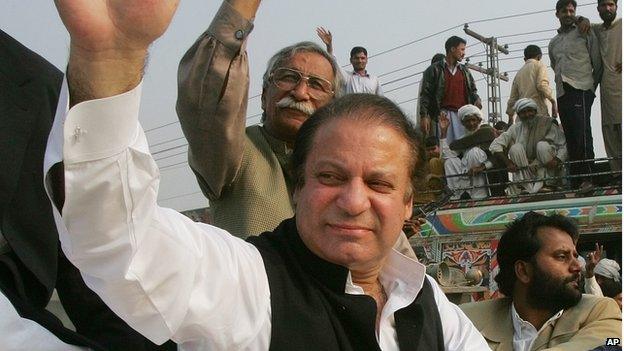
(543, 308)
(531, 82)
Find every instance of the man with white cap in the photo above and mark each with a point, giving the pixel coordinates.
(537, 149)
(466, 158)
(607, 273)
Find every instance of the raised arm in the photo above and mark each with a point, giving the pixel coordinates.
(326, 37)
(213, 83)
(166, 276)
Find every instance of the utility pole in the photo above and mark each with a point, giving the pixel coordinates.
(492, 73)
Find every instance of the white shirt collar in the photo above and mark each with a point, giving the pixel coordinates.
(402, 279)
(400, 275)
(524, 332)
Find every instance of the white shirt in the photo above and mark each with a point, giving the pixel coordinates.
(519, 133)
(165, 275)
(355, 83)
(524, 332)
(592, 287)
(448, 153)
(19, 333)
(452, 69)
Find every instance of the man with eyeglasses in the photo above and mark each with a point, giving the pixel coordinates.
(244, 170)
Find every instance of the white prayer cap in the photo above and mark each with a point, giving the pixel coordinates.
(608, 268)
(468, 110)
(525, 103)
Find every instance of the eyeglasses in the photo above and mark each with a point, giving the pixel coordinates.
(288, 78)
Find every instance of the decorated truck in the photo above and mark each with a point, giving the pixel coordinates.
(463, 235)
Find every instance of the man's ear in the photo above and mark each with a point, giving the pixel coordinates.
(524, 271)
(409, 207)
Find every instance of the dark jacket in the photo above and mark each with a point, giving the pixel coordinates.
(306, 289)
(432, 89)
(35, 265)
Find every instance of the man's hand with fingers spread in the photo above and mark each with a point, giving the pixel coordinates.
(592, 260)
(109, 42)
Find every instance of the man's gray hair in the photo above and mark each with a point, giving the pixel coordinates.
(288, 52)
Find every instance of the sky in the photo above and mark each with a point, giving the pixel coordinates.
(398, 35)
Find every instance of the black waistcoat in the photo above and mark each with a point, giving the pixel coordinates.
(311, 311)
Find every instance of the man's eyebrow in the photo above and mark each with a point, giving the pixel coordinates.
(564, 250)
(382, 174)
(328, 163)
(338, 166)
(307, 74)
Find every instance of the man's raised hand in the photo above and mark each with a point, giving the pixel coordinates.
(98, 26)
(592, 260)
(326, 36)
(109, 42)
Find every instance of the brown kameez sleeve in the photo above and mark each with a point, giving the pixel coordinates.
(213, 82)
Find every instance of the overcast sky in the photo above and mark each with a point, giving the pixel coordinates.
(380, 26)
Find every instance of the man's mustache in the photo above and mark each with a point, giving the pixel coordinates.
(302, 106)
(572, 278)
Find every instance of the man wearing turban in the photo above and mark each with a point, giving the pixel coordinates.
(607, 273)
(466, 158)
(537, 149)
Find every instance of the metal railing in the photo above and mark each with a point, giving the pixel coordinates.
(446, 193)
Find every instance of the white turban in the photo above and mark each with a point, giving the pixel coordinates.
(468, 110)
(608, 269)
(525, 103)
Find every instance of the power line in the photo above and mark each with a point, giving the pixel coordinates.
(182, 137)
(169, 156)
(176, 122)
(178, 196)
(415, 41)
(166, 141)
(461, 25)
(171, 166)
(402, 78)
(509, 58)
(406, 101)
(527, 41)
(516, 50)
(402, 86)
(169, 149)
(405, 67)
(162, 126)
(522, 50)
(522, 14)
(478, 53)
(525, 33)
